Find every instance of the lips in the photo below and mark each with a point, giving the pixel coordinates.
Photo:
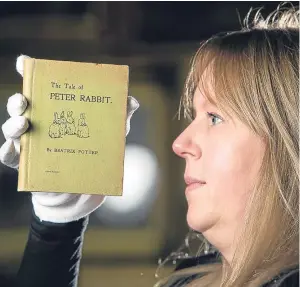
(193, 183)
(191, 180)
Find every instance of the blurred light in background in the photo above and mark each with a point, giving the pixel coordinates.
(139, 189)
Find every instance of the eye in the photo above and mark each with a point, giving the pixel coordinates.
(214, 118)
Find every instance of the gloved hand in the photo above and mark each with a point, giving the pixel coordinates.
(52, 207)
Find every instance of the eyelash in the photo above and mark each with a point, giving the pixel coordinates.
(210, 115)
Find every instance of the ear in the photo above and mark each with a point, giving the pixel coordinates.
(62, 114)
(71, 113)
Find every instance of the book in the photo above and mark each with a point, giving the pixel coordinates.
(76, 140)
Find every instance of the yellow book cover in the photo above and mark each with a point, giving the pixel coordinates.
(77, 114)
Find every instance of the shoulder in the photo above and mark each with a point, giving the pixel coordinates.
(288, 278)
(185, 279)
(199, 260)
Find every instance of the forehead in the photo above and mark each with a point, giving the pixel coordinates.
(200, 99)
(204, 90)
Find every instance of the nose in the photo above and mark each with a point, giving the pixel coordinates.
(185, 145)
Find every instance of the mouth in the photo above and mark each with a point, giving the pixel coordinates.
(193, 183)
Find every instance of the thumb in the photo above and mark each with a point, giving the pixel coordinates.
(9, 155)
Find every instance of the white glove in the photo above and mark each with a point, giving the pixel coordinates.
(48, 206)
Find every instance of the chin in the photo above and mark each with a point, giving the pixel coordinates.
(199, 222)
(193, 221)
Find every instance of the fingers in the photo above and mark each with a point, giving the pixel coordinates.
(132, 105)
(8, 154)
(17, 145)
(14, 127)
(16, 105)
(10, 150)
(20, 64)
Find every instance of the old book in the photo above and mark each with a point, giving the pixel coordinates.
(76, 141)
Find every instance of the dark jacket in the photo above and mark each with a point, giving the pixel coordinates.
(287, 278)
(53, 252)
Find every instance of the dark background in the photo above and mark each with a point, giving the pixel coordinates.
(149, 22)
(157, 40)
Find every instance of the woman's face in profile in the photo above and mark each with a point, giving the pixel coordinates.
(224, 154)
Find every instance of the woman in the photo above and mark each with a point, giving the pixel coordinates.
(241, 154)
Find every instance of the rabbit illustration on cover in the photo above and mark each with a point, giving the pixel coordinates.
(71, 129)
(54, 129)
(83, 129)
(62, 126)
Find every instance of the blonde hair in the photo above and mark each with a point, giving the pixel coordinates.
(255, 77)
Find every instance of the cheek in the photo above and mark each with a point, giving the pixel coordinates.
(227, 162)
(222, 164)
(230, 170)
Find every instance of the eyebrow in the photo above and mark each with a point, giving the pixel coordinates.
(204, 105)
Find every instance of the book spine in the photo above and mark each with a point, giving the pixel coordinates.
(25, 147)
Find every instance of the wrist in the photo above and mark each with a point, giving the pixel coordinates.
(50, 231)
